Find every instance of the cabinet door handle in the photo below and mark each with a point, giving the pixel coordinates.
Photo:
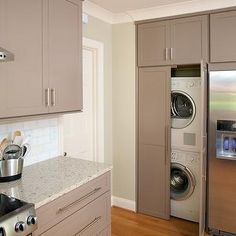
(61, 210)
(96, 219)
(53, 94)
(171, 54)
(47, 97)
(167, 143)
(166, 54)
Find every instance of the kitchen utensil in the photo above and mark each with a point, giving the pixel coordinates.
(3, 145)
(25, 140)
(25, 149)
(12, 151)
(18, 140)
(15, 134)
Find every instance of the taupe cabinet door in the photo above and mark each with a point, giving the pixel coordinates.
(189, 40)
(180, 41)
(64, 55)
(153, 43)
(154, 142)
(21, 81)
(223, 36)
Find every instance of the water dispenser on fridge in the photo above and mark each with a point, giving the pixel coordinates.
(226, 139)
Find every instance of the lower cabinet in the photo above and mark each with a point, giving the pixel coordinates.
(90, 220)
(83, 211)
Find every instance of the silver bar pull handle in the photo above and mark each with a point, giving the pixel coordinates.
(53, 95)
(96, 219)
(47, 97)
(167, 143)
(166, 54)
(60, 210)
(171, 54)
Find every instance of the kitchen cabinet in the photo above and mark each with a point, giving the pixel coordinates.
(223, 37)
(22, 83)
(64, 55)
(178, 41)
(85, 210)
(153, 43)
(189, 40)
(46, 40)
(154, 141)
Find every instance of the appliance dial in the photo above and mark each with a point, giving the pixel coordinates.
(32, 220)
(191, 84)
(20, 226)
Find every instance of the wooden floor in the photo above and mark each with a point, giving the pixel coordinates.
(127, 223)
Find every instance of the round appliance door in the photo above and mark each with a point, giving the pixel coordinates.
(182, 182)
(183, 109)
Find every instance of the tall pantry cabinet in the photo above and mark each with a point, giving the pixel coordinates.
(153, 144)
(45, 76)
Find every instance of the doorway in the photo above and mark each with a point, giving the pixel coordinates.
(83, 133)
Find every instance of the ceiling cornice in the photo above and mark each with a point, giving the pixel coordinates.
(97, 11)
(155, 12)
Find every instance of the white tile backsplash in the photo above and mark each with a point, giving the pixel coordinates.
(43, 138)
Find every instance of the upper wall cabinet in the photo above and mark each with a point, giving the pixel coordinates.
(153, 43)
(64, 55)
(223, 36)
(45, 75)
(180, 41)
(189, 40)
(22, 83)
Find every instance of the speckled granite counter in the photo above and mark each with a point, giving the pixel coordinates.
(45, 181)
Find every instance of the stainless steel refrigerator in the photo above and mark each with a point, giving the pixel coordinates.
(221, 212)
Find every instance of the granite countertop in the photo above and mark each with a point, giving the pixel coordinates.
(45, 181)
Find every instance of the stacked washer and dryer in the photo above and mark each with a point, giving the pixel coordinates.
(185, 147)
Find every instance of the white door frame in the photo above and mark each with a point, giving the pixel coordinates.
(97, 48)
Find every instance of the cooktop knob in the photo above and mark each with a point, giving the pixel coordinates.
(20, 226)
(31, 220)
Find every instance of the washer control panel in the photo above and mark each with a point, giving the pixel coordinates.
(185, 83)
(186, 158)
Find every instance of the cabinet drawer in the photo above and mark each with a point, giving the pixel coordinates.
(90, 220)
(55, 211)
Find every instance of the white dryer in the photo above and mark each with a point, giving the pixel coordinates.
(185, 185)
(186, 113)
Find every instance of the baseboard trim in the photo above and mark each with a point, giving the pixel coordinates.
(123, 203)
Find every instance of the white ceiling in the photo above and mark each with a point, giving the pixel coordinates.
(120, 6)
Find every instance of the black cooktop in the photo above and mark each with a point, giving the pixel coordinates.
(9, 204)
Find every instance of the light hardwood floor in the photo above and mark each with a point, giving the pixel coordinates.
(128, 223)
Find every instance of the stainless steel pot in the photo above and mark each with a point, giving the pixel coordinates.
(11, 169)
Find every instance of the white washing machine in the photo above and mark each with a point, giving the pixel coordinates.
(185, 185)
(186, 113)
